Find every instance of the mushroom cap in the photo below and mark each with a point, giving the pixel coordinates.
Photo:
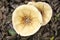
(45, 10)
(24, 13)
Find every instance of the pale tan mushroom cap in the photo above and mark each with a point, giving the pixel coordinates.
(26, 29)
(45, 10)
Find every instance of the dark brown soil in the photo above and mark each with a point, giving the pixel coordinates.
(51, 31)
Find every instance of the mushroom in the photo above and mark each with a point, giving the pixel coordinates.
(45, 10)
(26, 20)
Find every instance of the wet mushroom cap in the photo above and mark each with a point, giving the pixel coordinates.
(26, 21)
(45, 10)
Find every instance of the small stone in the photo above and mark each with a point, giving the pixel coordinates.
(14, 6)
(0, 15)
(18, 1)
(26, 2)
(1, 4)
(0, 35)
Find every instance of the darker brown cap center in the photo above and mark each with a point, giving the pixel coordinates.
(26, 20)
